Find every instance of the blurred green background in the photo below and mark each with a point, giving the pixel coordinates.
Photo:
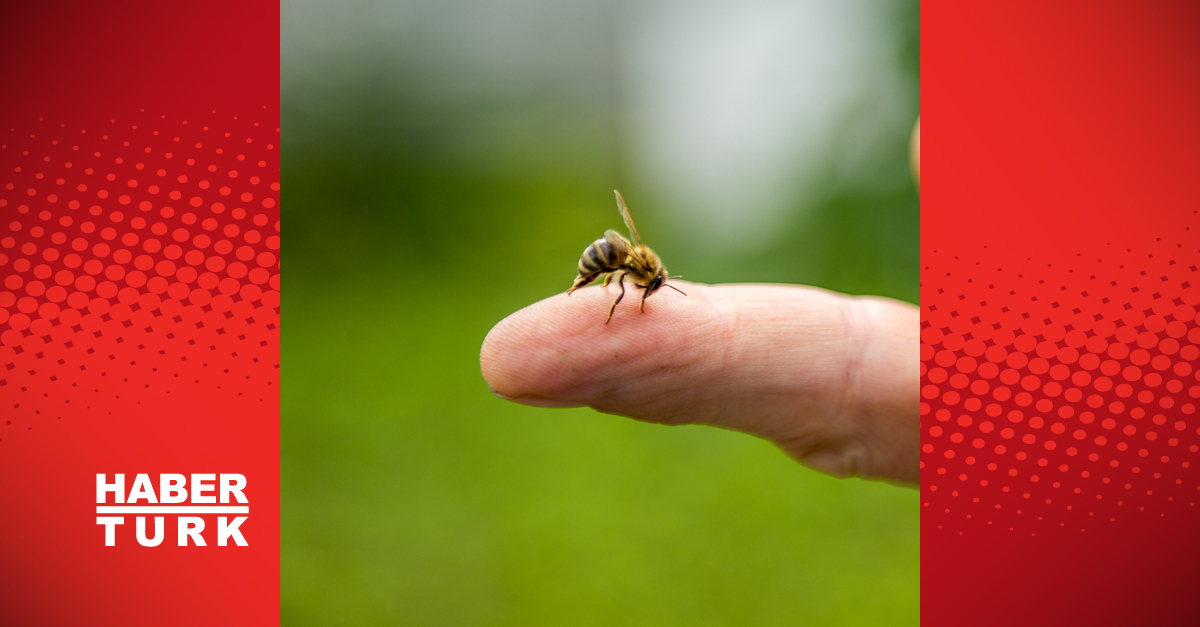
(444, 164)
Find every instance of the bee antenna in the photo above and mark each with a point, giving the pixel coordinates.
(677, 276)
(675, 288)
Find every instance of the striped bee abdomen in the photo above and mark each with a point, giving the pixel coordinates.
(600, 256)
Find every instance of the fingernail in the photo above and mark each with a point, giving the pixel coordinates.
(534, 401)
(507, 398)
(545, 402)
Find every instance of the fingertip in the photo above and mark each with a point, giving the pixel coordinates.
(496, 350)
(517, 354)
(561, 349)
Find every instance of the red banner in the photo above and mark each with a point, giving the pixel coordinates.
(1060, 289)
(139, 314)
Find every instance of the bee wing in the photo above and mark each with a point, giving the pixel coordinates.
(637, 239)
(618, 241)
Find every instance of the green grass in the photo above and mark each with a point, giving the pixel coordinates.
(412, 496)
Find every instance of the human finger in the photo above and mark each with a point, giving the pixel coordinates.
(831, 379)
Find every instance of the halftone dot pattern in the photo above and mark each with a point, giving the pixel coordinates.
(143, 248)
(1060, 397)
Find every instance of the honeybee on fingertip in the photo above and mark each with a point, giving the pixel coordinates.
(617, 256)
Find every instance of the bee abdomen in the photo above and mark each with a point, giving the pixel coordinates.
(600, 256)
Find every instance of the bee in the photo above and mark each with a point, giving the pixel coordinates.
(615, 255)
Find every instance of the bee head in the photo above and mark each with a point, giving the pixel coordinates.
(657, 282)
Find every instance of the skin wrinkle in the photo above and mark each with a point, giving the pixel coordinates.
(786, 363)
(855, 390)
(837, 454)
(887, 443)
(729, 323)
(808, 439)
(862, 336)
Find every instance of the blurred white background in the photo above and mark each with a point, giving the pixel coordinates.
(737, 117)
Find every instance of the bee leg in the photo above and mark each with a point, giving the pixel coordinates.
(645, 293)
(608, 279)
(621, 282)
(581, 281)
